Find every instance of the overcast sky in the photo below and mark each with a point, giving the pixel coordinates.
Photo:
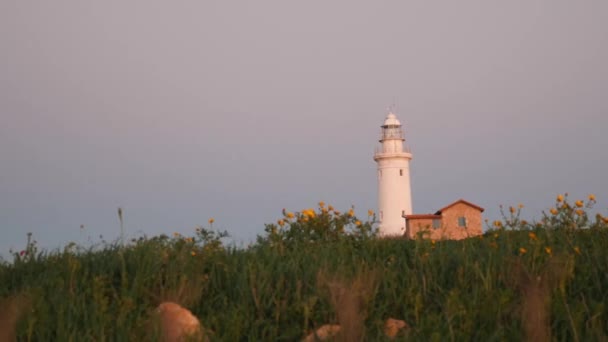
(184, 110)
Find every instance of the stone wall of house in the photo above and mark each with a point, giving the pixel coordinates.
(449, 230)
(450, 222)
(418, 225)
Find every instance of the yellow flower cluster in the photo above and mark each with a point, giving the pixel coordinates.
(211, 220)
(532, 236)
(553, 211)
(309, 213)
(579, 203)
(351, 212)
(560, 198)
(591, 197)
(522, 251)
(497, 223)
(548, 250)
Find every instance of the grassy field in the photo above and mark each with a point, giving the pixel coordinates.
(520, 280)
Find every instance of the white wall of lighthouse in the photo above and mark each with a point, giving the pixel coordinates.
(394, 190)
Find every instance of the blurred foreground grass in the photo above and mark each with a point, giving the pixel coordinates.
(518, 281)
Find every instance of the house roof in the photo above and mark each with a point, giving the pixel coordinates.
(457, 202)
(422, 216)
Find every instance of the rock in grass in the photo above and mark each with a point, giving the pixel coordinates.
(393, 326)
(323, 333)
(178, 323)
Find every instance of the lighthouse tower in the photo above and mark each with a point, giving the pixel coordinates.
(394, 191)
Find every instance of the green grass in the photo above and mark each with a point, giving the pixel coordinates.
(280, 288)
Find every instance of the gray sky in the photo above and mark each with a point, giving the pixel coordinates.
(184, 110)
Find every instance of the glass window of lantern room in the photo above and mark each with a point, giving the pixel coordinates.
(462, 221)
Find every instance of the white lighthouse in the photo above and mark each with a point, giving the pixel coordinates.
(394, 191)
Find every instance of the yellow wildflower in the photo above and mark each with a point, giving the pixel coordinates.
(337, 213)
(289, 215)
(305, 219)
(591, 197)
(579, 203)
(548, 250)
(522, 250)
(280, 222)
(193, 253)
(498, 223)
(330, 208)
(309, 213)
(512, 210)
(176, 234)
(433, 241)
(577, 250)
(524, 222)
(520, 206)
(560, 198)
(321, 204)
(357, 223)
(605, 219)
(580, 212)
(370, 212)
(211, 220)
(532, 236)
(351, 212)
(553, 211)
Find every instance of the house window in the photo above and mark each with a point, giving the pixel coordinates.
(436, 223)
(400, 172)
(462, 221)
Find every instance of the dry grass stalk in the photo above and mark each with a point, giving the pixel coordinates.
(188, 291)
(349, 300)
(11, 310)
(536, 295)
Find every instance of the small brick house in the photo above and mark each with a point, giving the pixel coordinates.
(456, 221)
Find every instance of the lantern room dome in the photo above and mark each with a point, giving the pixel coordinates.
(391, 120)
